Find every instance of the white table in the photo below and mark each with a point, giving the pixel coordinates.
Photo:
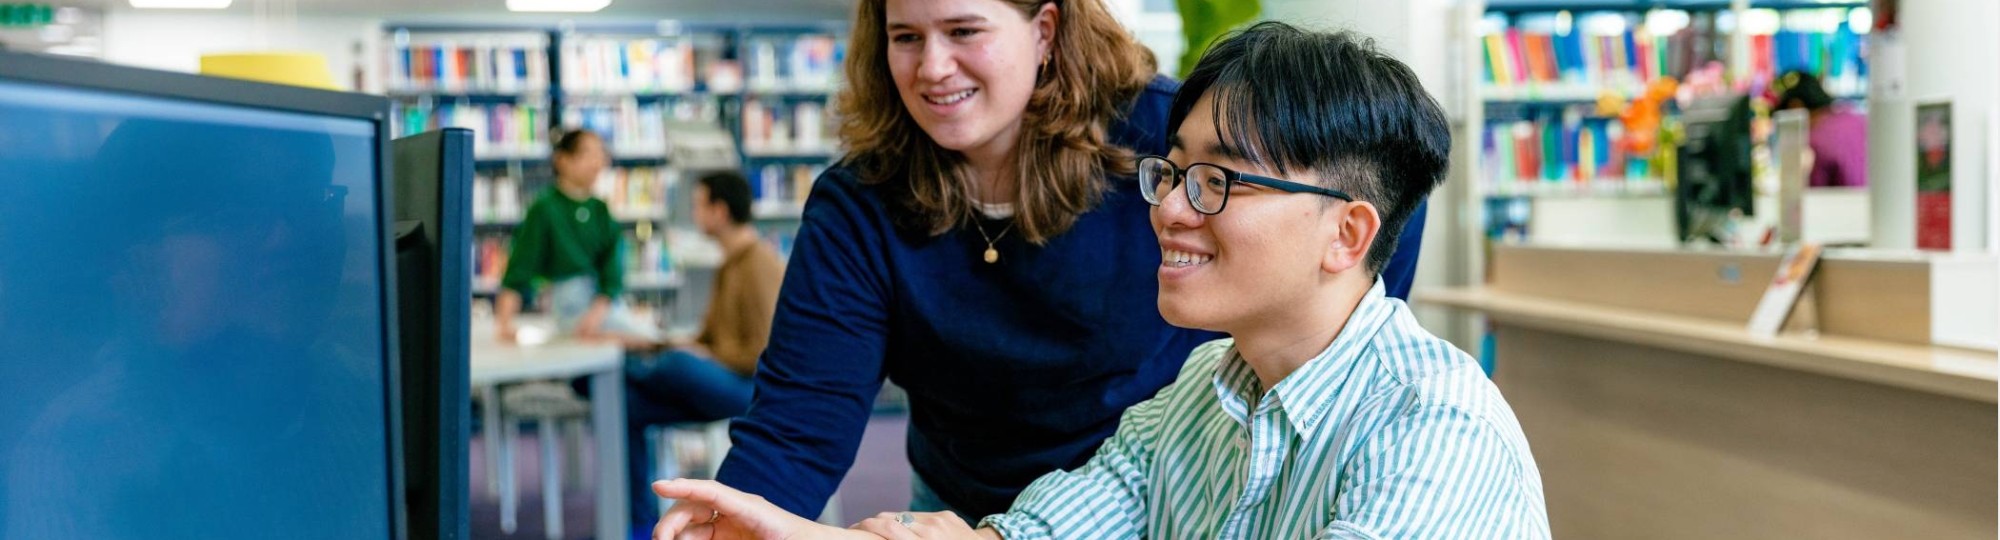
(495, 364)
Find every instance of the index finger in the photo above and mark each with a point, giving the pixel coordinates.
(717, 496)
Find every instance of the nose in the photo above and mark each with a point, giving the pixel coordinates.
(1176, 211)
(937, 62)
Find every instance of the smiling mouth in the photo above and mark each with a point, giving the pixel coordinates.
(951, 99)
(1181, 259)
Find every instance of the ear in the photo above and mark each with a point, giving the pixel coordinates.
(1355, 226)
(1047, 19)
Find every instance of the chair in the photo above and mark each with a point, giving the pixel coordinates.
(551, 405)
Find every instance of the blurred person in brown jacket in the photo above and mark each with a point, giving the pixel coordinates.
(707, 379)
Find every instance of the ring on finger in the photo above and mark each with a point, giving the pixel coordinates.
(906, 519)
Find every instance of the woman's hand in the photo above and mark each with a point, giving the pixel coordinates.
(590, 327)
(707, 510)
(922, 526)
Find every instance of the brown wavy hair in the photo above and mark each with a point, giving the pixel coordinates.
(1096, 69)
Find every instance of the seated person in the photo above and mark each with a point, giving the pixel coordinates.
(1296, 158)
(708, 379)
(569, 240)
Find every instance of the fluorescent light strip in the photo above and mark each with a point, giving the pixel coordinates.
(564, 6)
(180, 4)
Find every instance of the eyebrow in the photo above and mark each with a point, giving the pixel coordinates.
(961, 19)
(1218, 149)
(1226, 150)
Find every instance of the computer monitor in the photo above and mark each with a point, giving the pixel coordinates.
(1713, 164)
(196, 315)
(433, 243)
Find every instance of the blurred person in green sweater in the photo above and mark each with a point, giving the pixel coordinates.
(569, 240)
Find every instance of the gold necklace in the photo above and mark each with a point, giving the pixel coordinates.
(992, 255)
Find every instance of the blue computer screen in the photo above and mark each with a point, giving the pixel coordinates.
(191, 321)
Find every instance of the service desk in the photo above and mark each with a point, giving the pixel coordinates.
(1654, 413)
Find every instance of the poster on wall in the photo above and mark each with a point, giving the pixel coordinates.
(1934, 176)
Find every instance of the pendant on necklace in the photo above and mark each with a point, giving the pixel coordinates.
(992, 256)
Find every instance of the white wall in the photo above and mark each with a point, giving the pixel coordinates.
(175, 39)
(1948, 51)
(1414, 31)
(1421, 33)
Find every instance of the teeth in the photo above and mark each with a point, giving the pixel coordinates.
(954, 98)
(1181, 258)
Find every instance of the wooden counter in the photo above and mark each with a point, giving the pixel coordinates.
(1653, 412)
(1946, 371)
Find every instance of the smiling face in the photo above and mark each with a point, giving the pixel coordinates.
(1256, 260)
(966, 68)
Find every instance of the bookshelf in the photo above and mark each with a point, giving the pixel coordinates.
(1549, 79)
(671, 100)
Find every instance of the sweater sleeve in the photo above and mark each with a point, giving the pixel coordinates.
(529, 254)
(817, 381)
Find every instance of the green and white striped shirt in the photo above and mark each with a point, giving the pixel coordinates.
(1388, 433)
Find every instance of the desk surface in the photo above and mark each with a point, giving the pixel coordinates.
(494, 362)
(1946, 371)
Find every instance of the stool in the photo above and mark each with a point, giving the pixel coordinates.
(550, 404)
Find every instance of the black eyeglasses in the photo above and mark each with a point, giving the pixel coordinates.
(1209, 190)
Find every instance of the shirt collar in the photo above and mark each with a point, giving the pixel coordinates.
(1306, 394)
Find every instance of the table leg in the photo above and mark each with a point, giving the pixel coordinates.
(607, 418)
(489, 396)
(552, 522)
(508, 497)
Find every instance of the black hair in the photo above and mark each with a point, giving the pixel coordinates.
(1292, 100)
(732, 189)
(568, 141)
(1804, 87)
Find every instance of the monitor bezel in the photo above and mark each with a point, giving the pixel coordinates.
(89, 75)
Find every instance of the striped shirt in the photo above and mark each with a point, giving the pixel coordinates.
(1388, 433)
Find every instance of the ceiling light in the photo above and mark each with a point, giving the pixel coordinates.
(180, 4)
(566, 6)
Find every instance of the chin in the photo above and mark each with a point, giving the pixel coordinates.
(950, 139)
(1185, 313)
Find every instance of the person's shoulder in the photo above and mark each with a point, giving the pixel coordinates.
(842, 182)
(1406, 351)
(1426, 371)
(543, 199)
(764, 256)
(1161, 88)
(1210, 352)
(840, 194)
(1141, 127)
(1155, 97)
(1201, 362)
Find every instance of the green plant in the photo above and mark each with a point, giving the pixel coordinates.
(1204, 20)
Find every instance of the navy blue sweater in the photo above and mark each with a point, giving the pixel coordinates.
(1013, 369)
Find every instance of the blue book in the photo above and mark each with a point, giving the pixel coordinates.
(1573, 67)
(1631, 51)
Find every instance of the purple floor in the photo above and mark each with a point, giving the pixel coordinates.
(879, 482)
